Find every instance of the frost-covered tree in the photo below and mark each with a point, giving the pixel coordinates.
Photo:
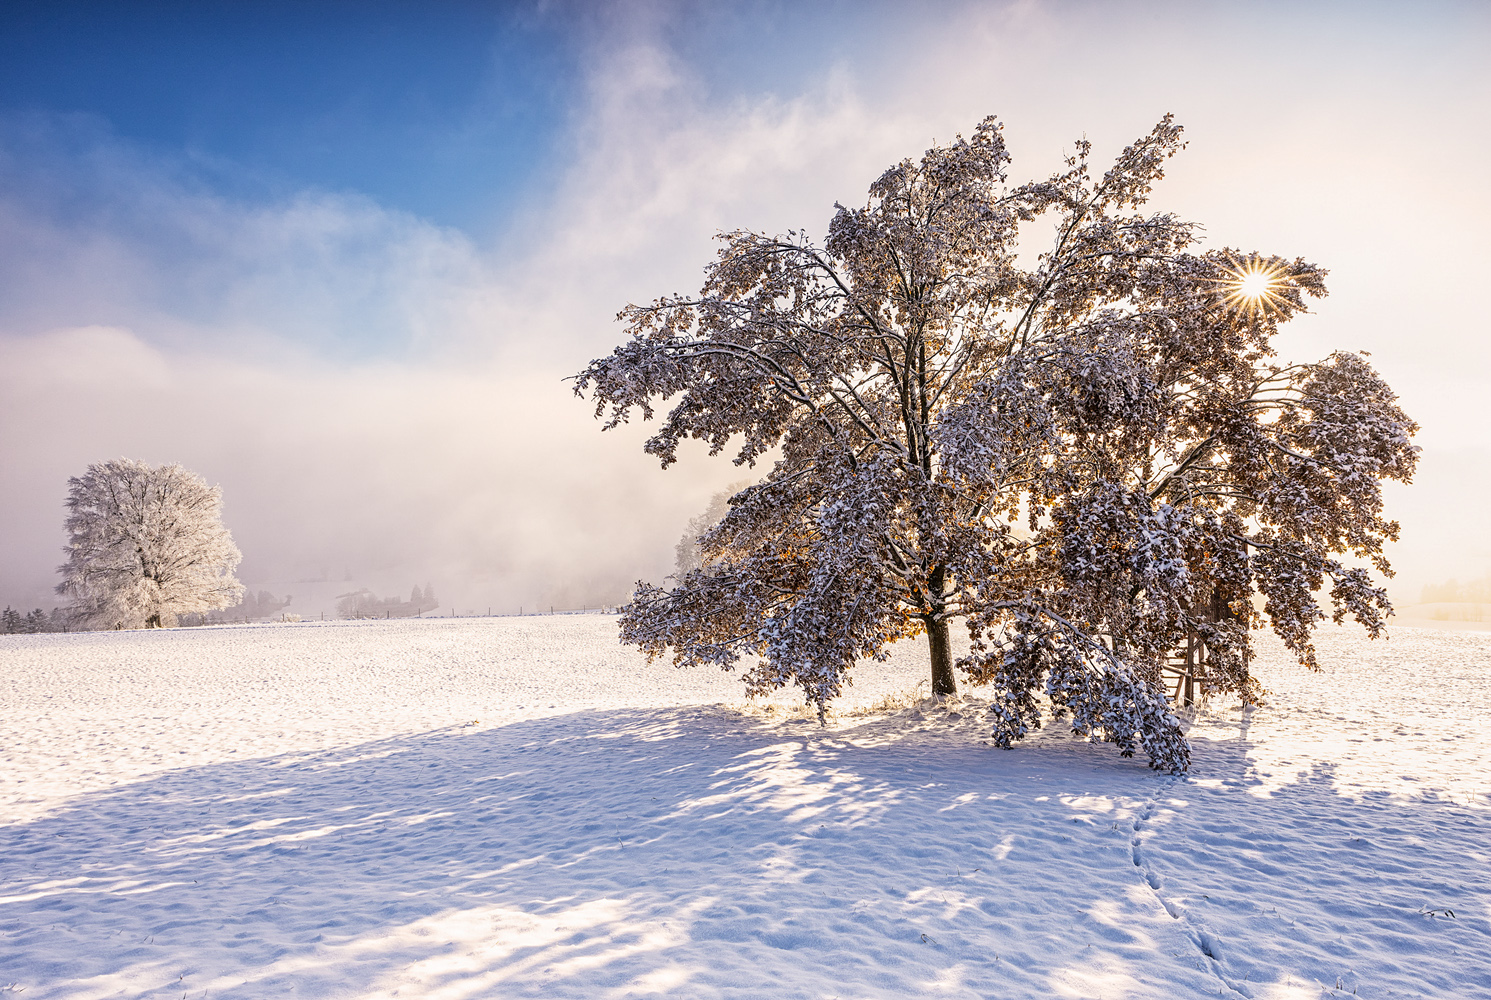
(688, 554)
(1087, 459)
(146, 544)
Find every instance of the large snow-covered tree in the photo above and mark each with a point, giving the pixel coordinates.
(1087, 456)
(146, 544)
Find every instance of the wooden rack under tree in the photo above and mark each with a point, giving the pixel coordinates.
(1187, 665)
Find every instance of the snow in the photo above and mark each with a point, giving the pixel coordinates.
(518, 807)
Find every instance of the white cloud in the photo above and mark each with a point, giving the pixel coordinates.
(109, 236)
(380, 394)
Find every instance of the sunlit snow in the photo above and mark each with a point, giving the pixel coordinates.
(521, 808)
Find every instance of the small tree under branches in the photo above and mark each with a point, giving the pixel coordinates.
(146, 544)
(1085, 461)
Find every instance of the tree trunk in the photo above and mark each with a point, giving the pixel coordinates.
(943, 682)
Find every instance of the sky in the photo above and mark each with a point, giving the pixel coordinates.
(339, 258)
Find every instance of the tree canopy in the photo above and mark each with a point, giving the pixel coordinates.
(146, 544)
(1086, 458)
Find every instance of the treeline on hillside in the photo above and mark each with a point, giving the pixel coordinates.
(253, 608)
(1455, 592)
(366, 604)
(12, 622)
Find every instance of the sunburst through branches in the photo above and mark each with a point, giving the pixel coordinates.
(1254, 286)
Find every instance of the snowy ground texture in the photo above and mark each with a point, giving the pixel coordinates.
(520, 808)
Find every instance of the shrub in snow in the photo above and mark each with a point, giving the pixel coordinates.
(146, 543)
(1086, 460)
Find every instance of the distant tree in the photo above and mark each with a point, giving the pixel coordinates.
(360, 604)
(11, 621)
(688, 554)
(927, 391)
(146, 544)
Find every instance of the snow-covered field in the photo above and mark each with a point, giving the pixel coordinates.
(520, 808)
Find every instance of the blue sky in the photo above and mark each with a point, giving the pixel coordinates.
(455, 111)
(339, 257)
(447, 110)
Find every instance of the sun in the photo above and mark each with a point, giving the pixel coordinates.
(1254, 286)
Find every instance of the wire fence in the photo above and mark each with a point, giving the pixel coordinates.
(288, 618)
(523, 611)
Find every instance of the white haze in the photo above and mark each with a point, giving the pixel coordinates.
(383, 398)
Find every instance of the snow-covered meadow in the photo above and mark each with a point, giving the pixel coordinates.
(521, 808)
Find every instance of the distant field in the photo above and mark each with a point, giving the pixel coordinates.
(518, 807)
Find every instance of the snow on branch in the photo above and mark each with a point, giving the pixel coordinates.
(1090, 463)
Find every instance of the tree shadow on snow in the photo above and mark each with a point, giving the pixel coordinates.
(620, 852)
